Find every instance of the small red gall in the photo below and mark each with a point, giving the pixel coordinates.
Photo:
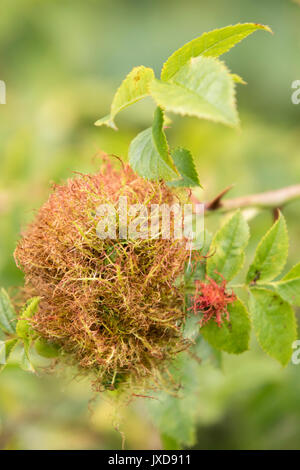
(211, 299)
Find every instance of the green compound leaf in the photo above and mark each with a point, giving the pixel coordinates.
(9, 346)
(211, 44)
(46, 349)
(134, 87)
(185, 165)
(149, 153)
(271, 254)
(203, 87)
(227, 248)
(274, 323)
(233, 336)
(7, 313)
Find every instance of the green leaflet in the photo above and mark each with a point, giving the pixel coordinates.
(233, 336)
(159, 137)
(9, 346)
(289, 290)
(211, 44)
(227, 248)
(28, 310)
(24, 332)
(25, 362)
(169, 443)
(185, 165)
(274, 323)
(30, 307)
(7, 313)
(289, 286)
(46, 349)
(203, 88)
(133, 88)
(149, 153)
(22, 328)
(271, 254)
(10, 324)
(294, 273)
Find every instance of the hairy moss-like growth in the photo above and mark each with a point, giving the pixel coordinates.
(110, 304)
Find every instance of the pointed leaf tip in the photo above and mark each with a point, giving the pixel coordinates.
(211, 44)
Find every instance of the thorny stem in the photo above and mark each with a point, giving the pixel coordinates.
(266, 200)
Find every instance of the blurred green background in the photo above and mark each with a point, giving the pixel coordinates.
(62, 61)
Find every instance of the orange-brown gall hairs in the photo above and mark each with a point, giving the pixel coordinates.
(211, 300)
(110, 304)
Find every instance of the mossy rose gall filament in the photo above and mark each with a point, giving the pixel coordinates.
(112, 305)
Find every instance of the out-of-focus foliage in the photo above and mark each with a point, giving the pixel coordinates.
(62, 61)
